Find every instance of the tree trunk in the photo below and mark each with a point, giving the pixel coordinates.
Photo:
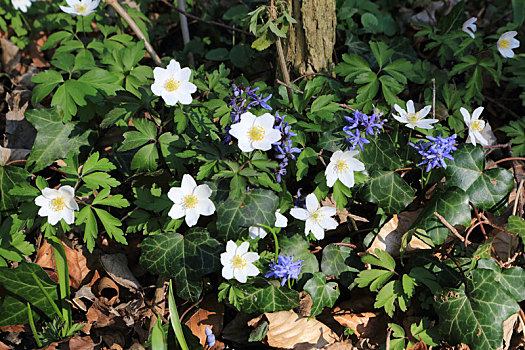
(311, 40)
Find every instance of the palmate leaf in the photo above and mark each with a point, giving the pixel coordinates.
(323, 294)
(10, 177)
(185, 259)
(452, 205)
(262, 295)
(22, 282)
(475, 316)
(54, 139)
(485, 188)
(236, 215)
(388, 190)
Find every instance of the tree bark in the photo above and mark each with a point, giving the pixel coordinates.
(311, 40)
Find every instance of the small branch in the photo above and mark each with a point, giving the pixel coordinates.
(434, 98)
(346, 245)
(218, 24)
(122, 12)
(503, 145)
(451, 228)
(185, 30)
(479, 220)
(504, 160)
(16, 161)
(280, 53)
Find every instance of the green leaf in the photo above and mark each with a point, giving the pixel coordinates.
(380, 258)
(452, 205)
(46, 82)
(102, 80)
(13, 244)
(87, 217)
(95, 164)
(388, 190)
(22, 282)
(341, 262)
(185, 259)
(381, 154)
(512, 279)
(54, 39)
(296, 245)
(307, 156)
(11, 177)
(70, 95)
(54, 139)
(352, 66)
(475, 316)
(381, 52)
(485, 188)
(111, 224)
(146, 158)
(516, 130)
(95, 180)
(236, 215)
(517, 225)
(323, 294)
(261, 295)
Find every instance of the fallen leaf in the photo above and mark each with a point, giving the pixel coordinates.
(287, 329)
(81, 343)
(4, 347)
(209, 314)
(116, 265)
(419, 346)
(10, 57)
(345, 345)
(305, 304)
(372, 325)
(342, 214)
(83, 293)
(107, 288)
(508, 330)
(389, 237)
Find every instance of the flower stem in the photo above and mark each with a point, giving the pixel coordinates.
(409, 136)
(274, 238)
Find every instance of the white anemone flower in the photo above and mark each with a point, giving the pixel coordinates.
(506, 43)
(342, 166)
(237, 262)
(57, 204)
(318, 219)
(190, 201)
(80, 7)
(255, 132)
(475, 126)
(258, 231)
(414, 119)
(173, 84)
(22, 5)
(469, 27)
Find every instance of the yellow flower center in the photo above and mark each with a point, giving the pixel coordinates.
(57, 204)
(413, 117)
(504, 44)
(172, 85)
(476, 125)
(317, 217)
(256, 133)
(341, 166)
(239, 262)
(80, 8)
(190, 201)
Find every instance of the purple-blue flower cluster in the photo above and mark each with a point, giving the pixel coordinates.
(210, 338)
(243, 99)
(285, 268)
(372, 124)
(435, 151)
(284, 147)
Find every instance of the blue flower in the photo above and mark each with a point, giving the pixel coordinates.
(435, 151)
(210, 338)
(285, 268)
(260, 101)
(356, 139)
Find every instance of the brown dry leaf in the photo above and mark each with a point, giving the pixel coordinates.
(116, 265)
(389, 237)
(419, 346)
(209, 314)
(108, 289)
(19, 133)
(81, 343)
(305, 304)
(371, 325)
(102, 315)
(342, 214)
(4, 347)
(345, 345)
(10, 57)
(508, 330)
(286, 330)
(9, 154)
(14, 328)
(75, 260)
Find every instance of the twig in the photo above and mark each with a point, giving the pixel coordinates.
(479, 219)
(280, 53)
(313, 74)
(122, 12)
(218, 24)
(504, 160)
(503, 145)
(451, 228)
(185, 30)
(191, 307)
(434, 98)
(16, 161)
(346, 245)
(388, 333)
(518, 197)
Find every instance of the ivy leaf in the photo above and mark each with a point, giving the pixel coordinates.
(11, 177)
(388, 190)
(475, 316)
(323, 294)
(380, 154)
(516, 225)
(236, 215)
(513, 279)
(22, 282)
(185, 259)
(307, 157)
(296, 245)
(341, 262)
(485, 188)
(54, 139)
(261, 295)
(452, 205)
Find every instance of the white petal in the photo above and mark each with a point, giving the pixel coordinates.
(69, 216)
(247, 118)
(318, 231)
(256, 231)
(299, 213)
(188, 184)
(157, 88)
(477, 112)
(50, 193)
(177, 211)
(67, 191)
(273, 135)
(240, 275)
(183, 75)
(264, 145)
(312, 203)
(202, 191)
(44, 211)
(245, 145)
(243, 248)
(336, 156)
(466, 115)
(251, 257)
(480, 138)
(410, 107)
(347, 178)
(185, 98)
(70, 11)
(192, 216)
(265, 121)
(42, 201)
(227, 272)
(231, 248)
(54, 217)
(71, 203)
(426, 123)
(327, 211)
(173, 67)
(170, 98)
(514, 43)
(356, 164)
(176, 195)
(188, 87)
(423, 112)
(331, 175)
(400, 118)
(471, 138)
(280, 219)
(251, 270)
(205, 207)
(329, 223)
(401, 111)
(238, 130)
